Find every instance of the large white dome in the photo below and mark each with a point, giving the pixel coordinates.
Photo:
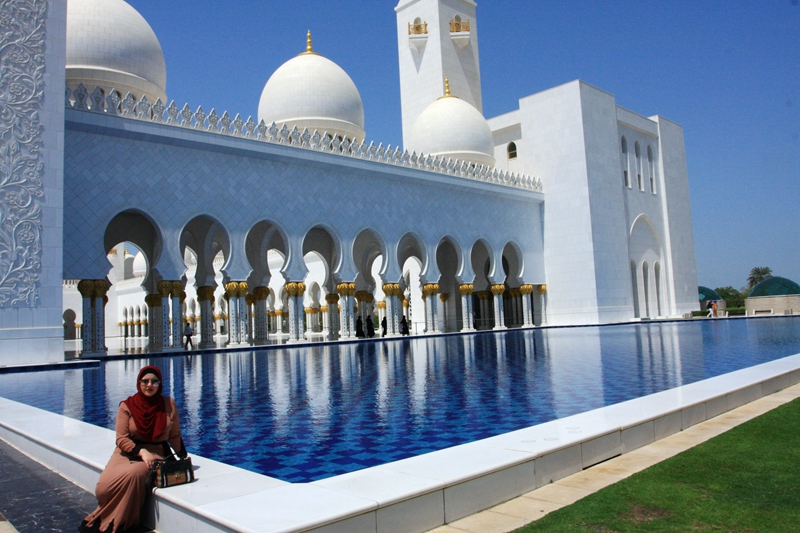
(452, 128)
(110, 45)
(310, 91)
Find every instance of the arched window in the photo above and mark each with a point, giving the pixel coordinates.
(652, 169)
(512, 150)
(638, 153)
(625, 164)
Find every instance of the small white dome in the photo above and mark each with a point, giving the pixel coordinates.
(310, 91)
(139, 265)
(452, 128)
(111, 46)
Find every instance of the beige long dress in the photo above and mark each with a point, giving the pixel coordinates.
(122, 488)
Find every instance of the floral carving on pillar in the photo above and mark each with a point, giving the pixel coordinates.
(22, 41)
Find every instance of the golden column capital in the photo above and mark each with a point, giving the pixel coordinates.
(405, 303)
(231, 289)
(466, 289)
(86, 288)
(324, 309)
(183, 296)
(176, 288)
(242, 288)
(498, 288)
(541, 289)
(381, 304)
(249, 299)
(430, 288)
(443, 297)
(164, 288)
(291, 288)
(153, 300)
(341, 288)
(261, 293)
(526, 289)
(101, 287)
(279, 312)
(332, 298)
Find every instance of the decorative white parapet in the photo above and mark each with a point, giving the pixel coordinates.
(128, 107)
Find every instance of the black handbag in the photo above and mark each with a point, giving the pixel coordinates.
(171, 471)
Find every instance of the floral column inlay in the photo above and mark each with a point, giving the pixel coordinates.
(22, 84)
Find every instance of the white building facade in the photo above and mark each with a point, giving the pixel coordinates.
(569, 210)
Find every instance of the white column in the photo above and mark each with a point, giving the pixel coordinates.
(206, 296)
(177, 315)
(333, 307)
(527, 311)
(165, 291)
(499, 318)
(465, 290)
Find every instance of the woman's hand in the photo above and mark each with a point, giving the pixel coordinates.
(149, 458)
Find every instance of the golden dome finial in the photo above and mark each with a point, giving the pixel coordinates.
(309, 48)
(447, 90)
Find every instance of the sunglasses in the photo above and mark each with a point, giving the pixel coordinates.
(150, 382)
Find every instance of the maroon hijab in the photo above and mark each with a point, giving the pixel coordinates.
(149, 414)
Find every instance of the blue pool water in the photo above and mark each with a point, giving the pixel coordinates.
(301, 414)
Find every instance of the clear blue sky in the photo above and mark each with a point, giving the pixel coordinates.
(727, 71)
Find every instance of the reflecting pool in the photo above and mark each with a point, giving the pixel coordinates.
(302, 414)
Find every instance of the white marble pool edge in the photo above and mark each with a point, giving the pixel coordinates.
(411, 495)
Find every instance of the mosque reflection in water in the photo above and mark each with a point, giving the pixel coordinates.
(308, 413)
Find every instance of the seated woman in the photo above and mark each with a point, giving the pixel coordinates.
(146, 421)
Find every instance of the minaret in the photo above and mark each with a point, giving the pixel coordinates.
(436, 39)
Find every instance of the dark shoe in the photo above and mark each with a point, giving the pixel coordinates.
(83, 528)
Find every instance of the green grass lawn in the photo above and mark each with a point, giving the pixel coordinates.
(745, 480)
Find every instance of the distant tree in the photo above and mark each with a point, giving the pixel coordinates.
(732, 297)
(757, 275)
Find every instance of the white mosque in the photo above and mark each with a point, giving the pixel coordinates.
(125, 214)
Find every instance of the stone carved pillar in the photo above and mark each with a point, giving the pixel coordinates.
(326, 321)
(347, 314)
(165, 291)
(260, 295)
(86, 288)
(244, 316)
(527, 310)
(311, 314)
(154, 332)
(333, 312)
(249, 302)
(499, 318)
(381, 310)
(295, 290)
(441, 316)
(429, 293)
(178, 297)
(542, 290)
(465, 290)
(205, 295)
(392, 292)
(232, 295)
(100, 300)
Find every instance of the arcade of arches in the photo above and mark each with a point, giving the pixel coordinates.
(275, 303)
